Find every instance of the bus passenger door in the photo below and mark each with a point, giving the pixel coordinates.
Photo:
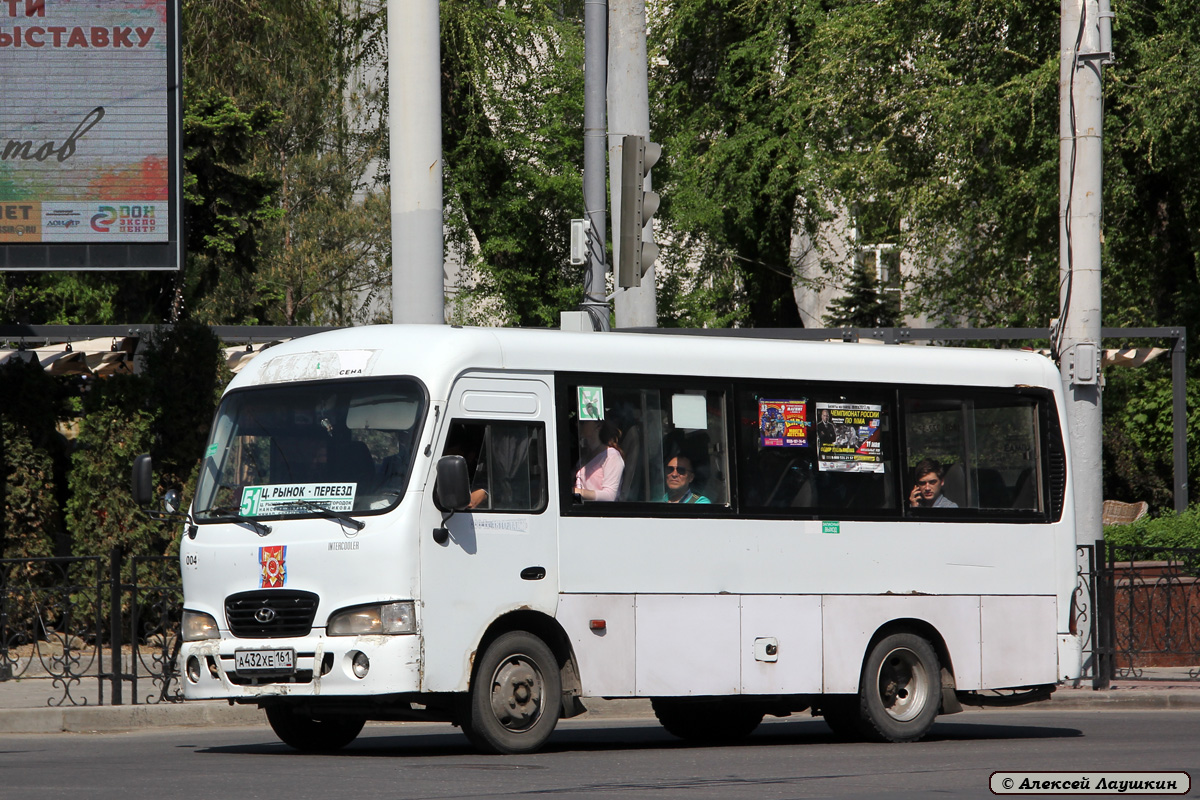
(502, 554)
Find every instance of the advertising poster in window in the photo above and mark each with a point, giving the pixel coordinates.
(848, 437)
(783, 423)
(88, 134)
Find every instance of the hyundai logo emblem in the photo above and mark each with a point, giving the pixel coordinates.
(265, 615)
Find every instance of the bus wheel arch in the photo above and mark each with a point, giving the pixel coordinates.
(905, 680)
(524, 678)
(901, 684)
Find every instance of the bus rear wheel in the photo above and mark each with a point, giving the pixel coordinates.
(706, 720)
(900, 692)
(514, 700)
(310, 735)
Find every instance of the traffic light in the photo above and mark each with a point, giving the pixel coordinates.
(637, 207)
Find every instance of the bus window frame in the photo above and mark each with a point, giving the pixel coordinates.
(1045, 407)
(565, 435)
(537, 425)
(418, 431)
(824, 391)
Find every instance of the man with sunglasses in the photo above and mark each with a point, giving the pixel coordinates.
(679, 476)
(927, 493)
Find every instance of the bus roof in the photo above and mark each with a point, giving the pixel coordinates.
(438, 353)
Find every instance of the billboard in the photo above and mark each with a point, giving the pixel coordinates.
(90, 157)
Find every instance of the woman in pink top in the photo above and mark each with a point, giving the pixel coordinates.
(598, 476)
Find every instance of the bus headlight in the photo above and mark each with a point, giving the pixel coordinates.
(197, 626)
(374, 619)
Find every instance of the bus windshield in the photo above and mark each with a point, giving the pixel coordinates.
(310, 449)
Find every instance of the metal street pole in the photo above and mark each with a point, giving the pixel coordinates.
(1083, 51)
(415, 128)
(595, 79)
(628, 113)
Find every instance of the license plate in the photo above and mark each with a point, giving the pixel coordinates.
(265, 662)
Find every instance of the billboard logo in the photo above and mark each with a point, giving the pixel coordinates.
(61, 219)
(126, 219)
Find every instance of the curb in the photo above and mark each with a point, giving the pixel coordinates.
(1126, 698)
(116, 719)
(112, 719)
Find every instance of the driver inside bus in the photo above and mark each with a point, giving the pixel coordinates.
(927, 491)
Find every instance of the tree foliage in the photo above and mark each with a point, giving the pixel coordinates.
(512, 111)
(32, 461)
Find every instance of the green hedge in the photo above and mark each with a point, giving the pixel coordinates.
(1167, 530)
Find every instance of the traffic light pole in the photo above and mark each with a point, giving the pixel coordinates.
(628, 114)
(595, 78)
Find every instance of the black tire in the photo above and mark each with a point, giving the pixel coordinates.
(901, 689)
(708, 721)
(515, 698)
(313, 735)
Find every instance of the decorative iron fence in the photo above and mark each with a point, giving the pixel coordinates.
(1150, 598)
(74, 630)
(1084, 617)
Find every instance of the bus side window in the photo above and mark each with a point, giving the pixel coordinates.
(505, 461)
(815, 448)
(980, 451)
(648, 425)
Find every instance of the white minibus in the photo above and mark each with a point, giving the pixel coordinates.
(490, 526)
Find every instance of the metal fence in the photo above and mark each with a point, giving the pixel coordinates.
(1150, 620)
(91, 630)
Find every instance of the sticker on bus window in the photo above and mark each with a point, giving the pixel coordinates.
(848, 437)
(783, 423)
(296, 498)
(591, 402)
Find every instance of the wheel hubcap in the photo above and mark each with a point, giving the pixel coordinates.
(903, 684)
(517, 692)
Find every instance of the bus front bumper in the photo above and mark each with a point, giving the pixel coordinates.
(315, 665)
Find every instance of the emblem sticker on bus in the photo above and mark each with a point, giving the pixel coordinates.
(272, 562)
(296, 498)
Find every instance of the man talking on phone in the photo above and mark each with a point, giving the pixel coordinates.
(927, 493)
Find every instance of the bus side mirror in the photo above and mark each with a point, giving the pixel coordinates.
(142, 484)
(453, 488)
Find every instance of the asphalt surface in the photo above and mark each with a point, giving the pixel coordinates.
(37, 705)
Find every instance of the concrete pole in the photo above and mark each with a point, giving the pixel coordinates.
(415, 128)
(595, 80)
(1080, 173)
(628, 113)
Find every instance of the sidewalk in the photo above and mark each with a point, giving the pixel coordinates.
(24, 705)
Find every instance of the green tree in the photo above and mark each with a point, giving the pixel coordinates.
(32, 461)
(512, 132)
(323, 240)
(863, 305)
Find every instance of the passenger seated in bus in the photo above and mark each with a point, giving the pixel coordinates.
(601, 462)
(927, 491)
(679, 477)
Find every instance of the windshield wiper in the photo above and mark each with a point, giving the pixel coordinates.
(217, 513)
(329, 513)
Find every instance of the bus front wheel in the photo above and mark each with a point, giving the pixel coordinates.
(310, 735)
(900, 693)
(514, 700)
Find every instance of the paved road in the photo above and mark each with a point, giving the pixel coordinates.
(614, 758)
